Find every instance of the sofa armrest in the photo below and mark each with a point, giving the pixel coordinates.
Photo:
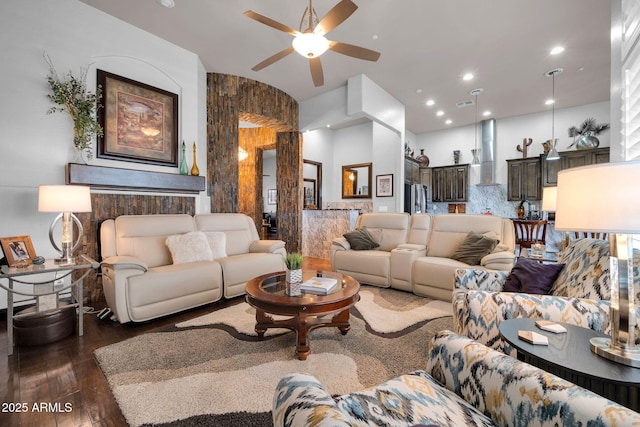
(119, 262)
(513, 392)
(473, 278)
(340, 243)
(268, 246)
(300, 398)
(421, 249)
(503, 261)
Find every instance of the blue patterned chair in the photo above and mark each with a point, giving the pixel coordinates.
(579, 296)
(465, 383)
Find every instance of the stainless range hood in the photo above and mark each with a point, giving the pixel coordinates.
(487, 152)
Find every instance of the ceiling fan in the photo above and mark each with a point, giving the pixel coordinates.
(311, 42)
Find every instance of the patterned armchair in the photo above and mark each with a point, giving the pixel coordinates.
(465, 383)
(579, 296)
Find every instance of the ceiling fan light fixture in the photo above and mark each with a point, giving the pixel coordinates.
(310, 45)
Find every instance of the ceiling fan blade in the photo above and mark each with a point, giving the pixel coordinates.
(335, 16)
(270, 22)
(355, 51)
(316, 71)
(270, 60)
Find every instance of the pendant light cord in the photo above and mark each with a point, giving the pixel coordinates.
(553, 106)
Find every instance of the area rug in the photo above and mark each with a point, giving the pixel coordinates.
(214, 370)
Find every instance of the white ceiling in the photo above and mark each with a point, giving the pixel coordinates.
(425, 45)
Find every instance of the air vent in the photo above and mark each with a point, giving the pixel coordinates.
(462, 104)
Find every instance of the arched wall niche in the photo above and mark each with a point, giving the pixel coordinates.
(237, 186)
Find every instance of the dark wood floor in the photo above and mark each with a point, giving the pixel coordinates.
(60, 384)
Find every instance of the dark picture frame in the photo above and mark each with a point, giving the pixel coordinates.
(17, 249)
(384, 185)
(272, 196)
(140, 122)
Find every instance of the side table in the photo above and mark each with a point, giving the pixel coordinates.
(569, 356)
(43, 289)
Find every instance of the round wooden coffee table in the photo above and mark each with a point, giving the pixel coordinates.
(268, 294)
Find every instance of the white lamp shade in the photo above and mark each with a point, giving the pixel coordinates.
(64, 198)
(599, 198)
(310, 45)
(549, 196)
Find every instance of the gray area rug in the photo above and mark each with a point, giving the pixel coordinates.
(214, 370)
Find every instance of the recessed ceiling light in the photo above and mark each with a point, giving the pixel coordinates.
(375, 37)
(549, 102)
(579, 69)
(467, 77)
(418, 90)
(557, 50)
(166, 3)
(430, 102)
(440, 113)
(486, 113)
(328, 126)
(448, 122)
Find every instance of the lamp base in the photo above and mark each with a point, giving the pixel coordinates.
(65, 261)
(602, 347)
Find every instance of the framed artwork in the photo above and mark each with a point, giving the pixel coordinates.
(310, 194)
(140, 122)
(384, 185)
(272, 196)
(18, 249)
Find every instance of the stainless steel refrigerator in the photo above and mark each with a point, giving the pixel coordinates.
(415, 198)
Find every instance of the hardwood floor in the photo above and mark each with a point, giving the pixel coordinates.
(60, 384)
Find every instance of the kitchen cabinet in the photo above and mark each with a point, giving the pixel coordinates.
(425, 180)
(411, 171)
(570, 159)
(524, 179)
(450, 183)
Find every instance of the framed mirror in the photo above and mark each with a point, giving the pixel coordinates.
(312, 181)
(356, 181)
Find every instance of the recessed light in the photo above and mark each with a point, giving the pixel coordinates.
(448, 122)
(580, 69)
(418, 90)
(440, 113)
(467, 77)
(375, 37)
(430, 102)
(328, 126)
(166, 3)
(549, 102)
(557, 50)
(486, 113)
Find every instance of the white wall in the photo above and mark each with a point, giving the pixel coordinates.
(385, 153)
(268, 182)
(34, 146)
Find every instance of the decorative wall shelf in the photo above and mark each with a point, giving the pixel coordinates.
(103, 177)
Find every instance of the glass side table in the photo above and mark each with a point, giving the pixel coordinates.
(43, 291)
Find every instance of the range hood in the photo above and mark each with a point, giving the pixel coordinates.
(487, 153)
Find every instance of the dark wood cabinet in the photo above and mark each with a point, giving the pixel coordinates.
(450, 183)
(570, 159)
(411, 171)
(524, 179)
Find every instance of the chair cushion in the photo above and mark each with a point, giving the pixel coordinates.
(361, 240)
(473, 248)
(532, 277)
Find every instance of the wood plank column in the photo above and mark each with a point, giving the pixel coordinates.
(290, 189)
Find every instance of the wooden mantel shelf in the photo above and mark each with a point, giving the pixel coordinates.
(103, 177)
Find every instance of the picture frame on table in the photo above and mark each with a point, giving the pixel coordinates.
(272, 196)
(18, 250)
(140, 122)
(384, 185)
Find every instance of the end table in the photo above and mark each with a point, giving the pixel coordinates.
(43, 288)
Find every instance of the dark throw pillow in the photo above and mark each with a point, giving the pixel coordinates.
(361, 240)
(532, 277)
(473, 248)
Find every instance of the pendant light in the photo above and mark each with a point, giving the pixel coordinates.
(476, 151)
(553, 152)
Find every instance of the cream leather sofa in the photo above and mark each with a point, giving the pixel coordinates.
(141, 282)
(415, 250)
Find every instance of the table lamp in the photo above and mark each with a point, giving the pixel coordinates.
(549, 201)
(65, 199)
(605, 198)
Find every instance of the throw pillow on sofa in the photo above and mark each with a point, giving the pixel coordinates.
(217, 243)
(532, 277)
(361, 240)
(189, 247)
(473, 248)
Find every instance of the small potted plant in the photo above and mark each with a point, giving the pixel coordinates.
(587, 134)
(293, 262)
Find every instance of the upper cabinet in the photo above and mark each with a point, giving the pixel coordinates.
(450, 183)
(570, 159)
(524, 179)
(411, 171)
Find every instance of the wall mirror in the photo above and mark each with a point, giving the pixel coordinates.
(312, 181)
(356, 181)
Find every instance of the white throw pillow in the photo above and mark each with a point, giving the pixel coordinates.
(217, 243)
(189, 247)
